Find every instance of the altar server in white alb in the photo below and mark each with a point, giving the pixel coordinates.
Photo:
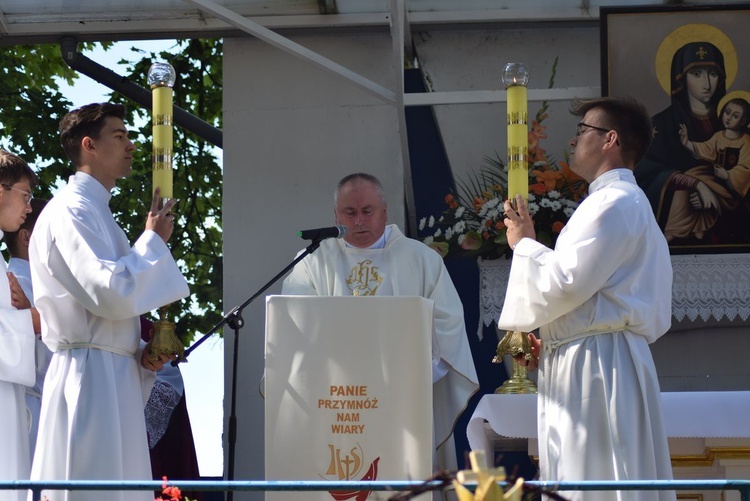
(90, 287)
(17, 328)
(598, 299)
(17, 243)
(378, 260)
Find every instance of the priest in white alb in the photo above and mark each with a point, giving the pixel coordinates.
(598, 299)
(375, 259)
(91, 286)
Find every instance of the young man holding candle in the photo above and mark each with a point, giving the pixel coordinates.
(90, 287)
(598, 299)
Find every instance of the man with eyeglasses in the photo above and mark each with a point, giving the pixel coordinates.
(598, 299)
(90, 286)
(17, 331)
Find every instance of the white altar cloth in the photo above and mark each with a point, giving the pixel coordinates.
(707, 414)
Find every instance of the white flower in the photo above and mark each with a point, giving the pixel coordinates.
(428, 240)
(448, 233)
(556, 206)
(532, 197)
(431, 222)
(554, 194)
(461, 239)
(438, 232)
(488, 205)
(568, 211)
(546, 202)
(459, 227)
(533, 208)
(460, 211)
(422, 223)
(442, 218)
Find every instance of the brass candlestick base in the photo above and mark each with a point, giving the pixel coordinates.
(515, 343)
(164, 340)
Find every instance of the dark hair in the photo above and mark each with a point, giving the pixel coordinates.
(745, 110)
(626, 116)
(86, 121)
(11, 237)
(359, 176)
(14, 169)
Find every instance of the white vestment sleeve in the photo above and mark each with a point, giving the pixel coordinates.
(299, 282)
(17, 356)
(546, 284)
(117, 289)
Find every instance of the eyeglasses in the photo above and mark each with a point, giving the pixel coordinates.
(580, 128)
(27, 195)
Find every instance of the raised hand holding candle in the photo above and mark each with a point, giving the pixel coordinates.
(515, 78)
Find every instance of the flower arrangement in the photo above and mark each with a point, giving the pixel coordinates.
(169, 492)
(472, 225)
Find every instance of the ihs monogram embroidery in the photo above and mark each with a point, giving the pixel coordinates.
(364, 279)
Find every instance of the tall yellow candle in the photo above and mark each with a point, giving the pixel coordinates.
(515, 78)
(161, 78)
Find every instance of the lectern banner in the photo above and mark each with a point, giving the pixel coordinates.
(348, 391)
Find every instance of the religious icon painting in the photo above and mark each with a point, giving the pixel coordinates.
(690, 66)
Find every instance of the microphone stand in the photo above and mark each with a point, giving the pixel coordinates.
(235, 321)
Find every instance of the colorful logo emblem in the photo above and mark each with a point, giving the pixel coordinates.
(348, 467)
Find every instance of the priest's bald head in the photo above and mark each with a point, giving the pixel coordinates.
(359, 204)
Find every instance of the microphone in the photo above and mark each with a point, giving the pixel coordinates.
(338, 231)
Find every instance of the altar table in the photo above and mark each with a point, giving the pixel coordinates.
(708, 432)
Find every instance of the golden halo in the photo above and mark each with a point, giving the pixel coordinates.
(731, 95)
(693, 33)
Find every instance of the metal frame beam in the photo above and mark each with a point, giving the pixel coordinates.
(295, 49)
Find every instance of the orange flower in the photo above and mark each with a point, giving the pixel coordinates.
(451, 201)
(577, 186)
(552, 179)
(536, 152)
(557, 226)
(499, 225)
(568, 174)
(537, 189)
(479, 202)
(172, 493)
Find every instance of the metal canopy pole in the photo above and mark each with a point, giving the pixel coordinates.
(295, 49)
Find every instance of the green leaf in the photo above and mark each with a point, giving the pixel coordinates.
(441, 248)
(472, 241)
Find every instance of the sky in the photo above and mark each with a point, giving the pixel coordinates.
(204, 371)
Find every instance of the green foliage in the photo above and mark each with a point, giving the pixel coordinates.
(31, 107)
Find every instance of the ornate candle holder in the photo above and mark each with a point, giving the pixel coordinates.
(515, 343)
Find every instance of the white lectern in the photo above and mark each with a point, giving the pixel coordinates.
(348, 390)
